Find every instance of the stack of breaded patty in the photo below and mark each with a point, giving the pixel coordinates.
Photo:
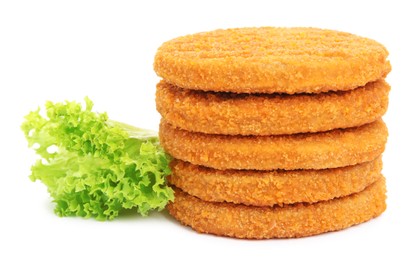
(276, 132)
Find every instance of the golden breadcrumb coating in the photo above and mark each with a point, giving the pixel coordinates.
(293, 220)
(269, 60)
(267, 188)
(332, 149)
(270, 114)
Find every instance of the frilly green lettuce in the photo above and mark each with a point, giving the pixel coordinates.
(94, 167)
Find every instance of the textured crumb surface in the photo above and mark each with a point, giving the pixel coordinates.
(270, 114)
(331, 149)
(269, 60)
(294, 220)
(267, 188)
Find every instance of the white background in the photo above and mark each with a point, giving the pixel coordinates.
(57, 50)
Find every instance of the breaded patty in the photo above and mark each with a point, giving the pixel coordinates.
(295, 220)
(266, 188)
(271, 60)
(331, 149)
(270, 114)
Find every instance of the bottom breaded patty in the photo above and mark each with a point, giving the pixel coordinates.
(294, 220)
(266, 188)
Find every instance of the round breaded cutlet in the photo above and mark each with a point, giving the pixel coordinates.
(267, 188)
(271, 60)
(331, 149)
(270, 114)
(293, 220)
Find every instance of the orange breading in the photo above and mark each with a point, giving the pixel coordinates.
(270, 114)
(332, 149)
(269, 60)
(267, 188)
(293, 220)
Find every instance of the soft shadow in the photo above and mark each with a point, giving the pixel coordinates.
(132, 214)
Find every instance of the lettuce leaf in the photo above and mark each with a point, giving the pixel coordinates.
(95, 167)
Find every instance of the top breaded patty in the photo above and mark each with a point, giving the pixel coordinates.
(269, 60)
